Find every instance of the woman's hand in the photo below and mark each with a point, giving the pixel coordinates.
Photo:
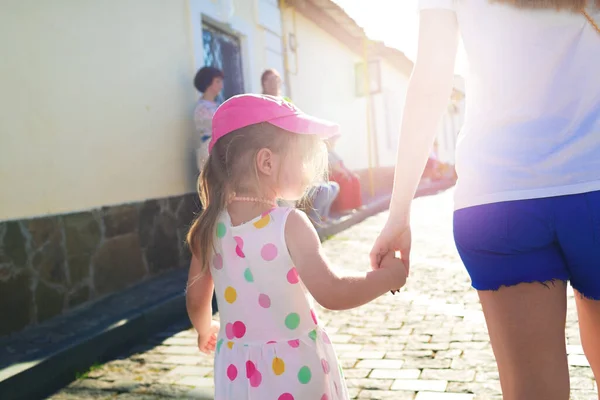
(395, 237)
(207, 341)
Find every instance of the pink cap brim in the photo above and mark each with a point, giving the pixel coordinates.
(304, 124)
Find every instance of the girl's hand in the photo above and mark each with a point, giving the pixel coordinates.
(397, 268)
(207, 341)
(394, 237)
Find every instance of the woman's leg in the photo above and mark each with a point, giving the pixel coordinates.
(578, 227)
(526, 324)
(588, 312)
(511, 254)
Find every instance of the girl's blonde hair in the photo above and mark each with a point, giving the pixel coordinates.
(573, 5)
(231, 168)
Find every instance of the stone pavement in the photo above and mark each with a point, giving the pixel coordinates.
(427, 343)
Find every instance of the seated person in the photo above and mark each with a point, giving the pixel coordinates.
(320, 199)
(349, 197)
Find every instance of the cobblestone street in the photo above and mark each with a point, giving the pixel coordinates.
(427, 343)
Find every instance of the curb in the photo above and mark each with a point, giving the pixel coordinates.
(346, 222)
(43, 377)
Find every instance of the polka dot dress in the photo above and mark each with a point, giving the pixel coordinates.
(270, 346)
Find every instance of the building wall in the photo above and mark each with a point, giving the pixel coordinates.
(388, 106)
(322, 83)
(97, 109)
(96, 166)
(97, 99)
(96, 104)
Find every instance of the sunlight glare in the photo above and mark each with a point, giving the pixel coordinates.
(394, 22)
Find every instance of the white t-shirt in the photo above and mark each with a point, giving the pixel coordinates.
(532, 122)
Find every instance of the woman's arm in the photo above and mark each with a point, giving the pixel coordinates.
(427, 97)
(198, 297)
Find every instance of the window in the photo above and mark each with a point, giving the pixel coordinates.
(222, 50)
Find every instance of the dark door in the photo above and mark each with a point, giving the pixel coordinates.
(222, 50)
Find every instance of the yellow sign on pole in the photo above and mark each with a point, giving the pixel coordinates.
(367, 82)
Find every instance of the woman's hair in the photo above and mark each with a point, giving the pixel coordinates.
(205, 77)
(574, 5)
(231, 167)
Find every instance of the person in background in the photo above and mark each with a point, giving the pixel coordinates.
(209, 82)
(322, 196)
(271, 82)
(349, 197)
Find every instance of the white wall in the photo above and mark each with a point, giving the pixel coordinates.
(322, 82)
(269, 19)
(96, 103)
(389, 105)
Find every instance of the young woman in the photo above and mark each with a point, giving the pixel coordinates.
(209, 82)
(527, 202)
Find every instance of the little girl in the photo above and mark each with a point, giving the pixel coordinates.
(263, 260)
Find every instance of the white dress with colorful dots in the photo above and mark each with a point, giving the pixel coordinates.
(270, 346)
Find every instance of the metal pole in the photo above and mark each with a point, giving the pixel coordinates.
(284, 37)
(367, 87)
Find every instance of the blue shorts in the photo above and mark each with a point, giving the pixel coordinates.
(538, 240)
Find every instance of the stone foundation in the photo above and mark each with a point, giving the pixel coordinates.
(51, 264)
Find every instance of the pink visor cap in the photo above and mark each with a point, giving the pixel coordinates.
(249, 109)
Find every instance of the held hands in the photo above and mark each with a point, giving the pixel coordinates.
(398, 270)
(395, 237)
(207, 341)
